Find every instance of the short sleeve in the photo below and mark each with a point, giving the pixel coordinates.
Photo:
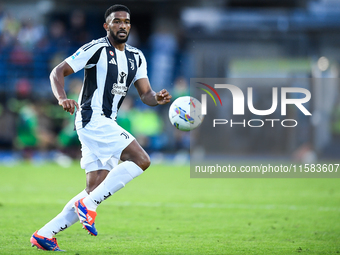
(142, 68)
(78, 60)
(81, 57)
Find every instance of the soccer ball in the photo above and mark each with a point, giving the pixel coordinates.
(185, 113)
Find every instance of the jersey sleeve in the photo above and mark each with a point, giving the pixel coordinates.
(80, 58)
(142, 68)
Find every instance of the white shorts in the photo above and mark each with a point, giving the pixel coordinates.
(102, 141)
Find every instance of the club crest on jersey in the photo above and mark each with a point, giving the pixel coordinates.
(122, 76)
(132, 62)
(119, 89)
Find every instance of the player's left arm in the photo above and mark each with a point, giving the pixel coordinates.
(150, 97)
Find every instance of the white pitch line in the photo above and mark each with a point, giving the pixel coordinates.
(206, 205)
(227, 206)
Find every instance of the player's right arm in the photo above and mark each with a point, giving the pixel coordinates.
(82, 58)
(57, 78)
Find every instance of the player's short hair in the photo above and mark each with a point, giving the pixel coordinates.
(116, 8)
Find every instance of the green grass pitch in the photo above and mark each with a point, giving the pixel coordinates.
(165, 212)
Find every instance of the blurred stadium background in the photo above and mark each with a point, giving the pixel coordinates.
(181, 40)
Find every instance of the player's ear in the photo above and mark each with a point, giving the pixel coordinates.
(106, 27)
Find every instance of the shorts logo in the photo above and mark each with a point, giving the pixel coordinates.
(125, 135)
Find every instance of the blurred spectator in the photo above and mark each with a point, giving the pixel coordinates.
(336, 121)
(27, 127)
(124, 119)
(20, 56)
(33, 128)
(133, 38)
(163, 53)
(7, 127)
(11, 27)
(78, 33)
(23, 89)
(21, 61)
(146, 125)
(55, 45)
(57, 36)
(30, 34)
(181, 140)
(181, 88)
(26, 118)
(30, 50)
(48, 51)
(67, 138)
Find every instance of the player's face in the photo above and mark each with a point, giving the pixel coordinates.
(119, 26)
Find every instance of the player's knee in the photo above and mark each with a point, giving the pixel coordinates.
(135, 153)
(144, 162)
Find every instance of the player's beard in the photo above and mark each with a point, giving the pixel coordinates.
(117, 39)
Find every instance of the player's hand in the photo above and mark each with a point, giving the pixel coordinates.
(163, 97)
(69, 105)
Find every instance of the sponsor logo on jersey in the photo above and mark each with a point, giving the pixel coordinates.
(75, 55)
(122, 76)
(119, 89)
(113, 61)
(111, 53)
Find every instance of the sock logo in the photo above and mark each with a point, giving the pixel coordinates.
(63, 228)
(105, 197)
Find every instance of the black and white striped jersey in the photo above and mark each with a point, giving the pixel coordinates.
(109, 73)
